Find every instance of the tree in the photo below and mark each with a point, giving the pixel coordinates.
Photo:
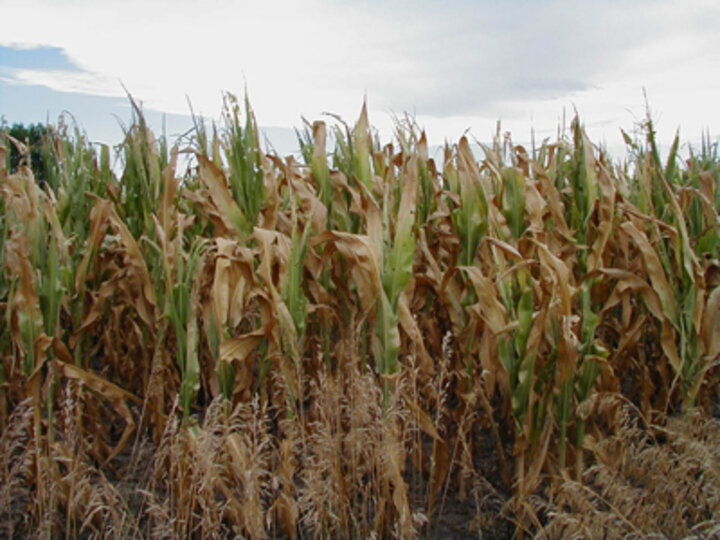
(34, 137)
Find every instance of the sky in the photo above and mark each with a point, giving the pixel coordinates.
(456, 66)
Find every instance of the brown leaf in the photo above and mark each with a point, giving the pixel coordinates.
(606, 216)
(136, 276)
(214, 179)
(561, 276)
(710, 333)
(167, 210)
(423, 419)
(655, 271)
(489, 307)
(554, 201)
(509, 250)
(237, 349)
(115, 395)
(535, 206)
(629, 284)
(411, 328)
(365, 271)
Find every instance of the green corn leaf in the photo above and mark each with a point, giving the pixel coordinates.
(191, 373)
(671, 166)
(293, 295)
(521, 393)
(583, 179)
(514, 200)
(524, 314)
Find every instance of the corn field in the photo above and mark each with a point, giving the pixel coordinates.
(360, 341)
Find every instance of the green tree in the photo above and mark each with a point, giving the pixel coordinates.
(35, 138)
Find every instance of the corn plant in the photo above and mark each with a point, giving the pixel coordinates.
(142, 175)
(180, 296)
(242, 150)
(398, 252)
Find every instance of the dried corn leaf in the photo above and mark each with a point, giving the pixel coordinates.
(115, 395)
(655, 271)
(489, 307)
(710, 333)
(215, 181)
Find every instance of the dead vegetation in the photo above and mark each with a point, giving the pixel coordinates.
(365, 342)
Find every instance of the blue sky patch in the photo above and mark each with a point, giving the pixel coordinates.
(45, 58)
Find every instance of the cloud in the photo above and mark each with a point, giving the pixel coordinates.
(475, 62)
(451, 63)
(81, 82)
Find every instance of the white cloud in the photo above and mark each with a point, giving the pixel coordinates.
(457, 65)
(82, 82)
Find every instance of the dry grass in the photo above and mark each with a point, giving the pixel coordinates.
(658, 480)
